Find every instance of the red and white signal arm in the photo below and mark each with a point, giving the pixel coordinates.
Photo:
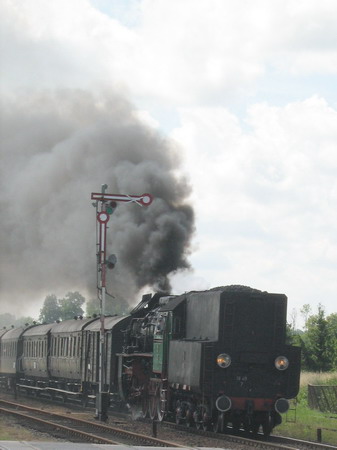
(142, 200)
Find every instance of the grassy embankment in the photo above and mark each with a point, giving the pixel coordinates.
(303, 422)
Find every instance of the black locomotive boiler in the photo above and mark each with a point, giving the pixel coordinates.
(206, 359)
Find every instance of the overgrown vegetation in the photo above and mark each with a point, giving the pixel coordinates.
(301, 422)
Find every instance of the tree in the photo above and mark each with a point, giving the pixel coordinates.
(113, 306)
(92, 307)
(71, 305)
(305, 311)
(50, 311)
(315, 343)
(332, 338)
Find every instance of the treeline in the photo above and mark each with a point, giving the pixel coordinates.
(318, 341)
(58, 309)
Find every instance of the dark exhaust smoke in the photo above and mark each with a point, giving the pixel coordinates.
(57, 148)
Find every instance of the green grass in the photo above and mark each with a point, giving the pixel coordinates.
(303, 422)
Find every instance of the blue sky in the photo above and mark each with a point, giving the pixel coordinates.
(246, 90)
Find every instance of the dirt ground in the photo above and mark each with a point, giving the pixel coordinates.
(11, 430)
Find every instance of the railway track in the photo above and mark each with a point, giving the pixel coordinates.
(79, 429)
(62, 425)
(260, 441)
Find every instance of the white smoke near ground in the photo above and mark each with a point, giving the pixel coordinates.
(57, 148)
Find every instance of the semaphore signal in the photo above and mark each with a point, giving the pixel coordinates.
(105, 205)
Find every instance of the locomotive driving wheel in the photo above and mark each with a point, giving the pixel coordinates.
(145, 403)
(202, 418)
(219, 423)
(153, 400)
(189, 416)
(139, 398)
(152, 407)
(161, 399)
(267, 424)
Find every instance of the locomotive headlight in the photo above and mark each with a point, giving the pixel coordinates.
(223, 360)
(281, 363)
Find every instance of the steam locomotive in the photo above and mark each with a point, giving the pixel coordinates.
(208, 359)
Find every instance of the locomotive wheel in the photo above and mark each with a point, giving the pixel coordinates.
(197, 419)
(145, 405)
(136, 398)
(206, 424)
(160, 412)
(267, 425)
(201, 418)
(219, 423)
(179, 413)
(179, 419)
(189, 417)
(161, 402)
(152, 407)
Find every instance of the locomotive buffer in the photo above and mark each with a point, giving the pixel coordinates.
(105, 205)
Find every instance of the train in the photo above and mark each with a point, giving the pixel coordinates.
(214, 359)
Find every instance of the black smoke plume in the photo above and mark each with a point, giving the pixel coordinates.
(57, 148)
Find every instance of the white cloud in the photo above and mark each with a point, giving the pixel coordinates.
(181, 52)
(265, 198)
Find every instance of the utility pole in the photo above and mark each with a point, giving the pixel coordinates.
(105, 205)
